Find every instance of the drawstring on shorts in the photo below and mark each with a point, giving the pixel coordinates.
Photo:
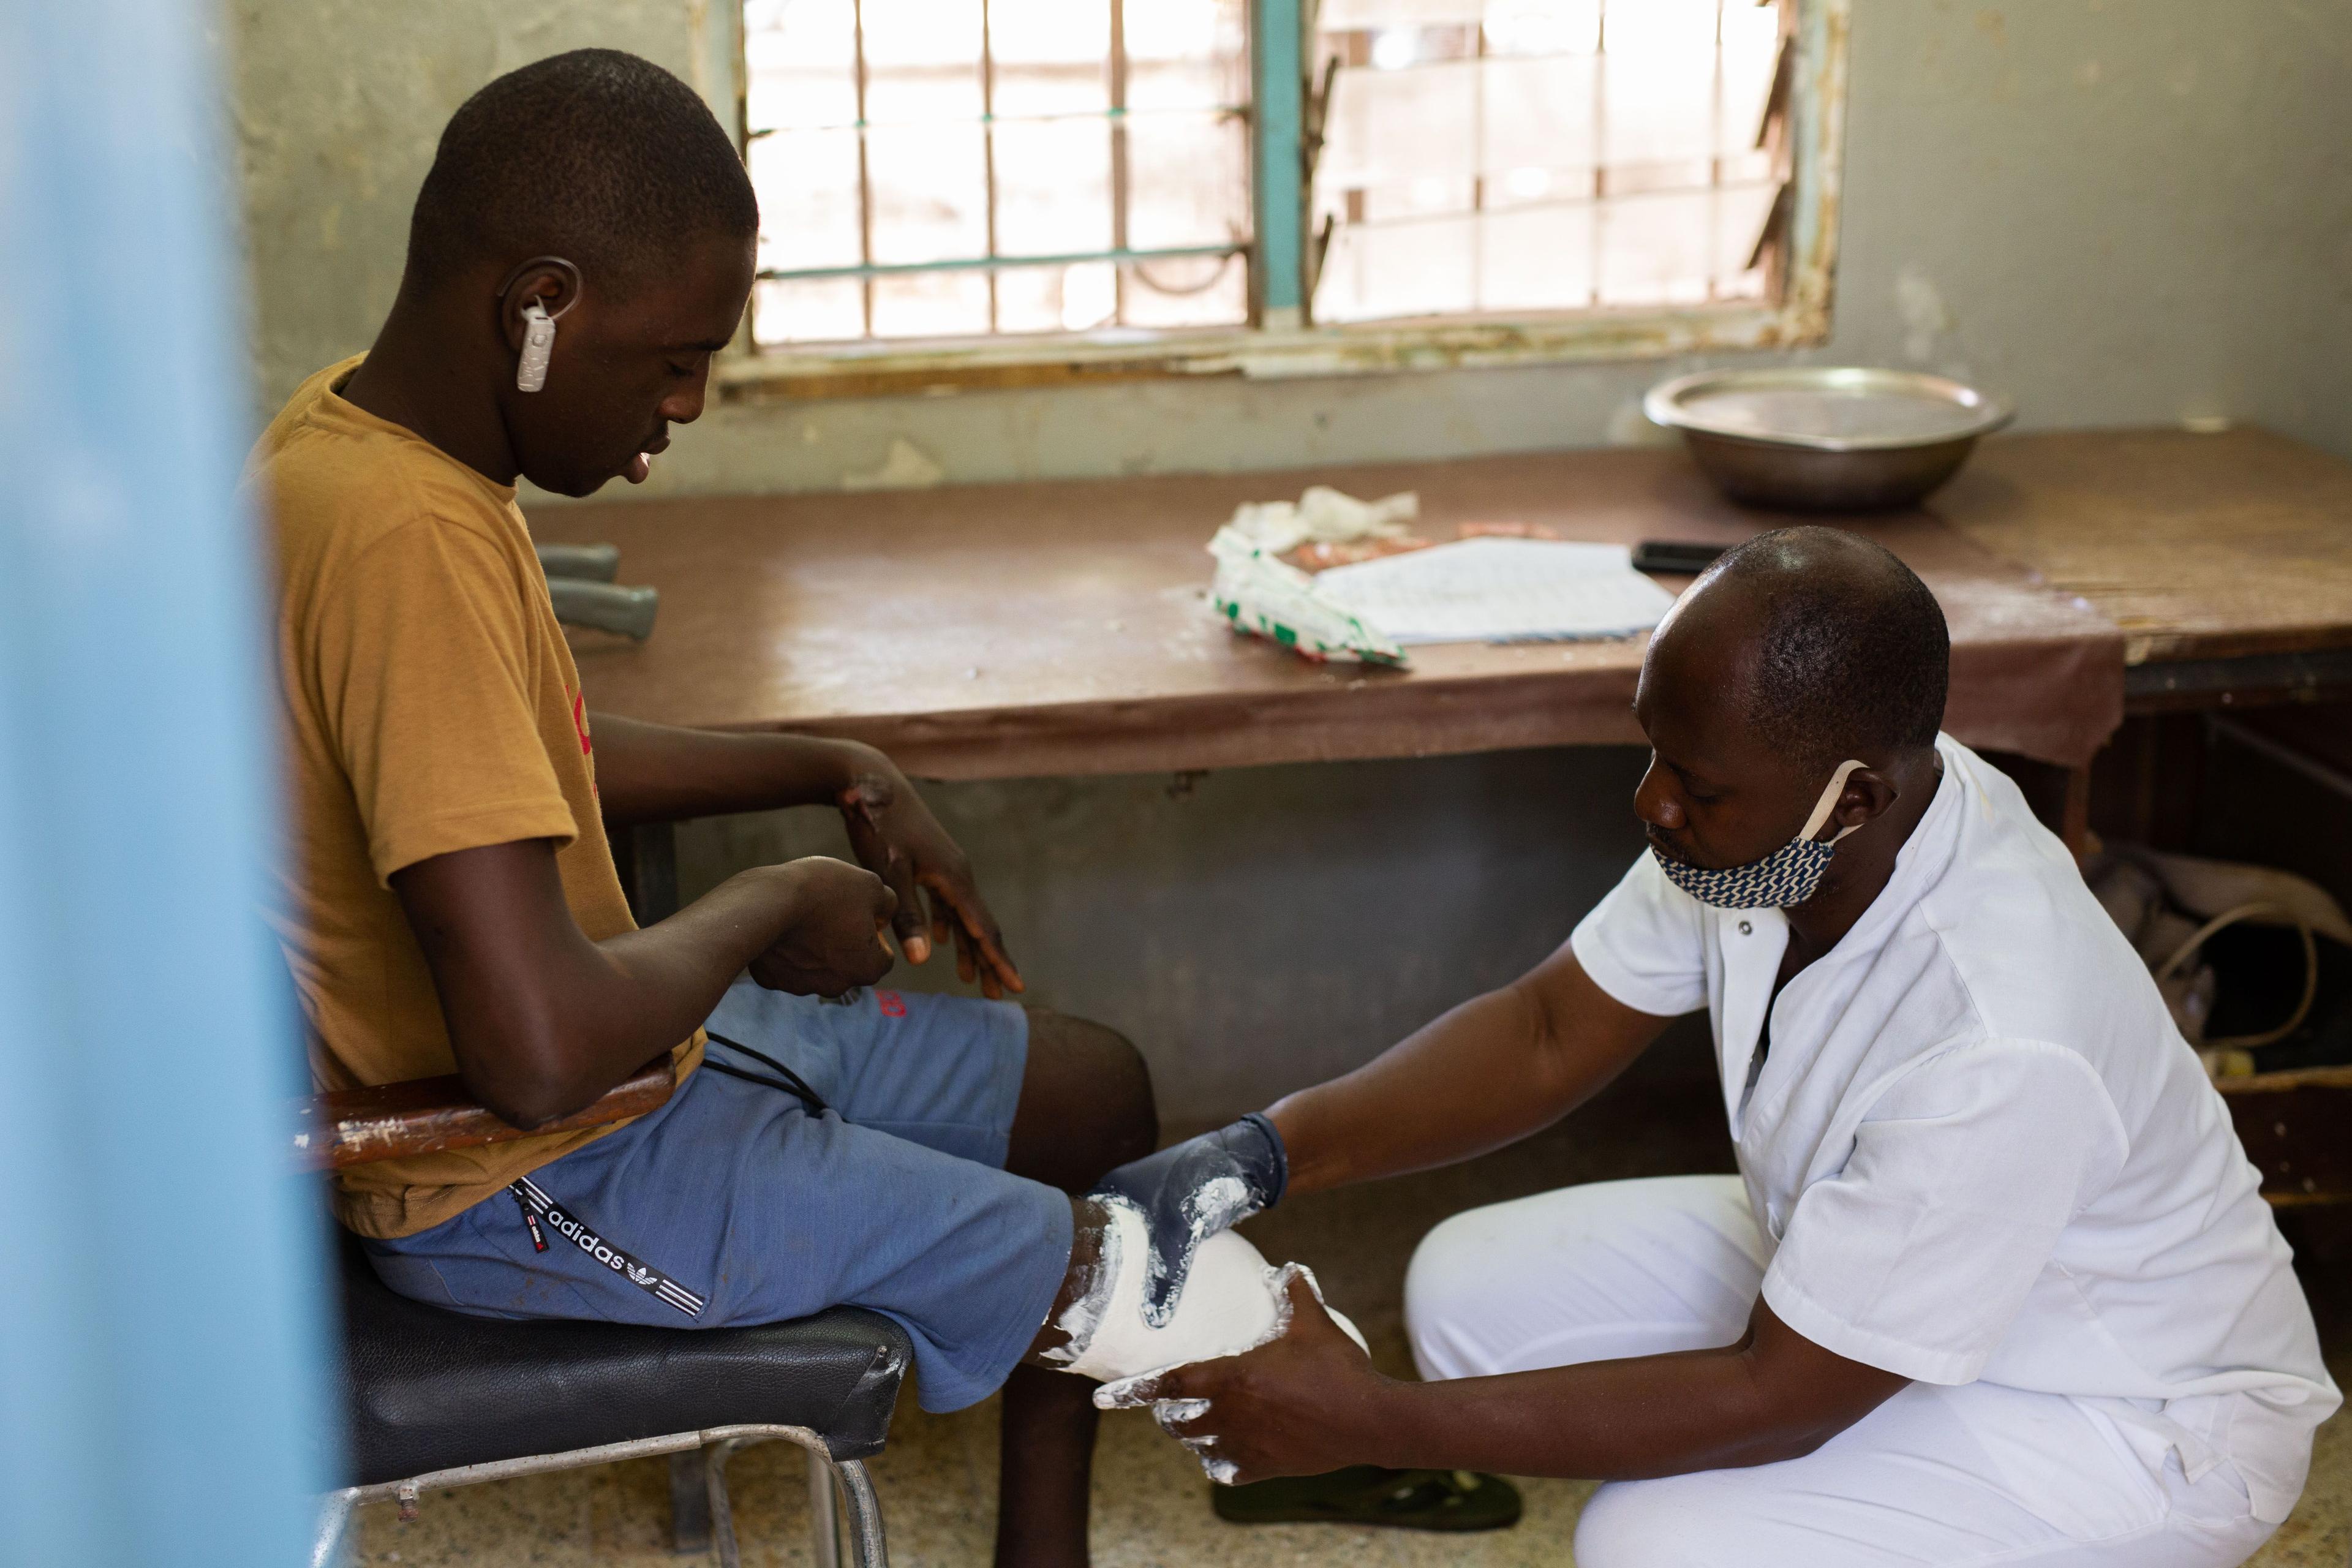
(790, 1083)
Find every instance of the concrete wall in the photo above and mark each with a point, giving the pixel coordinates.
(2126, 212)
(1261, 929)
(2119, 211)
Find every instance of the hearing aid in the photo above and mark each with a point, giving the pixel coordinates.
(539, 327)
(538, 342)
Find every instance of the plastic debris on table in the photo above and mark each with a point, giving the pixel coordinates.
(1322, 554)
(1271, 599)
(1323, 515)
(1504, 530)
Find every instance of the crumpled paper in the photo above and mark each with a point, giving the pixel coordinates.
(1324, 516)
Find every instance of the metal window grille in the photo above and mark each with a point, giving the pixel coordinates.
(946, 169)
(970, 171)
(1518, 157)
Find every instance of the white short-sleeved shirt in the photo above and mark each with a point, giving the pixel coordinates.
(1978, 1148)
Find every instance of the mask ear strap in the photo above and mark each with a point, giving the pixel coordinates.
(1828, 803)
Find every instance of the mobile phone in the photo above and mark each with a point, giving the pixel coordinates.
(1668, 555)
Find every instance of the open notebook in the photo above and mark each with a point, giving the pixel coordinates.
(1500, 590)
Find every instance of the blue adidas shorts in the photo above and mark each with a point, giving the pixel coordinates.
(733, 1204)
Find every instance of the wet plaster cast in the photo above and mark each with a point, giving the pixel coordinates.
(1172, 1413)
(1233, 1302)
(1225, 1308)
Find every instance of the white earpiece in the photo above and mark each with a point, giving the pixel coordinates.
(538, 326)
(538, 342)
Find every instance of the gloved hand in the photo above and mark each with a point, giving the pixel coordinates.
(1192, 1190)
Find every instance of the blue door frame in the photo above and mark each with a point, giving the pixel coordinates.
(160, 1382)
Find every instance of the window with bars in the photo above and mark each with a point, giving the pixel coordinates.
(1522, 156)
(960, 168)
(1087, 180)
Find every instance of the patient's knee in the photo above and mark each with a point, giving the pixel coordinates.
(1130, 1110)
(1120, 1085)
(1085, 1105)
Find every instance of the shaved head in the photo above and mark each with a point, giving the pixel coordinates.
(595, 155)
(1847, 653)
(1800, 649)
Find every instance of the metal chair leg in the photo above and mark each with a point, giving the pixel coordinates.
(825, 1516)
(722, 1514)
(867, 1547)
(690, 1504)
(866, 1543)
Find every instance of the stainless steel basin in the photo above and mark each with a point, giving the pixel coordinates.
(1801, 438)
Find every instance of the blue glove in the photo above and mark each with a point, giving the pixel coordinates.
(1191, 1191)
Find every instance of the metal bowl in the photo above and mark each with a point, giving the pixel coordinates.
(1848, 439)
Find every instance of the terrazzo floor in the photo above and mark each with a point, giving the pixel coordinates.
(937, 1480)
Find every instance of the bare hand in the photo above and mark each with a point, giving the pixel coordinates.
(895, 836)
(834, 943)
(1302, 1405)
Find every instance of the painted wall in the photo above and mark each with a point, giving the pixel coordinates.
(2120, 211)
(2127, 212)
(1258, 930)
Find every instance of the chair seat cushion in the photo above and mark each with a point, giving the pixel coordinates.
(429, 1389)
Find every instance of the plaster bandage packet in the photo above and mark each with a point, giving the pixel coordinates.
(1274, 600)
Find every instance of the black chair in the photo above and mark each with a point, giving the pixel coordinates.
(438, 1399)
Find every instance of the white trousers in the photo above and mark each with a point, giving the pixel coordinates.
(1976, 1474)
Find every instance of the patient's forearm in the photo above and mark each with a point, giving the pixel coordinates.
(542, 1019)
(1493, 1070)
(545, 1020)
(659, 773)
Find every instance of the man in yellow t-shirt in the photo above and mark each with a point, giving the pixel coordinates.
(582, 245)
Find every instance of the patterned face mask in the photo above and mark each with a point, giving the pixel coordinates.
(1786, 877)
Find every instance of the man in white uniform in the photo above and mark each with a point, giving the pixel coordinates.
(1994, 1283)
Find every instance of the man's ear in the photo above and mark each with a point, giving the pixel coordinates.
(551, 280)
(1868, 794)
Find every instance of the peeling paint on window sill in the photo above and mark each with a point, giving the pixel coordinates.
(1270, 355)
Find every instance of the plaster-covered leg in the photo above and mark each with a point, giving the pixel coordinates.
(1171, 1412)
(1234, 1301)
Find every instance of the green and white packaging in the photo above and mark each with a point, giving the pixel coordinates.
(1276, 601)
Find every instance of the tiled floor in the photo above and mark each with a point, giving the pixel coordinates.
(936, 1481)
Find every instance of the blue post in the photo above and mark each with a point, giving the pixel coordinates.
(160, 1383)
(1278, 82)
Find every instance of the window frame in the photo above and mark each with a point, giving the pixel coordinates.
(1802, 241)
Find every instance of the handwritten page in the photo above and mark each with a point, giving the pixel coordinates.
(1501, 590)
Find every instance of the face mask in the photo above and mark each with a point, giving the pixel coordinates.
(1787, 876)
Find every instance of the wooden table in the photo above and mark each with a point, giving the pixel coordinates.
(1059, 628)
(2225, 560)
(1028, 629)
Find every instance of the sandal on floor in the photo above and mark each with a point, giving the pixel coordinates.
(1366, 1494)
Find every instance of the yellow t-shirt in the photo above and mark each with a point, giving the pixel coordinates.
(429, 704)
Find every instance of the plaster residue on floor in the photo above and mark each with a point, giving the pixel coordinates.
(938, 1479)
